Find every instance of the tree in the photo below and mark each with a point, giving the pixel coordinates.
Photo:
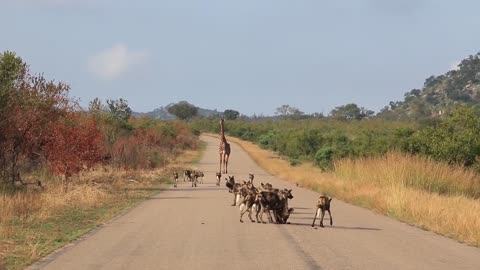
(12, 72)
(183, 110)
(72, 145)
(455, 140)
(119, 109)
(29, 104)
(350, 111)
(95, 106)
(287, 111)
(12, 69)
(231, 114)
(283, 110)
(295, 113)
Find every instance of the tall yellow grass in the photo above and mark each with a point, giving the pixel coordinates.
(415, 172)
(419, 191)
(25, 206)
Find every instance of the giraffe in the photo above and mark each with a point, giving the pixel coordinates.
(224, 148)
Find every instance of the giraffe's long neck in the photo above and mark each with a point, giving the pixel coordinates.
(222, 131)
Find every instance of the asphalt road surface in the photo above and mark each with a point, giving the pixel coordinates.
(196, 228)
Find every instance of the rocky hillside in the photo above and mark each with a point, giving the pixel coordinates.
(440, 93)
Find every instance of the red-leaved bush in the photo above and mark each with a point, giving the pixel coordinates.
(41, 125)
(72, 145)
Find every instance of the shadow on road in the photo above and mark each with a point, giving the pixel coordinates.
(336, 227)
(197, 189)
(180, 198)
(302, 213)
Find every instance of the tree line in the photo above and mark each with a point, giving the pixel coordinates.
(454, 139)
(43, 127)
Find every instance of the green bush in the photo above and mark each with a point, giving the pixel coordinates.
(324, 157)
(455, 140)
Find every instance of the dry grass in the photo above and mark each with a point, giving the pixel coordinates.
(415, 172)
(33, 224)
(430, 195)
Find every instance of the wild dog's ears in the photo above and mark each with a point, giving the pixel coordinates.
(291, 210)
(289, 190)
(329, 200)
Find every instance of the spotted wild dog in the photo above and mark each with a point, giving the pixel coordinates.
(323, 205)
(230, 183)
(277, 202)
(249, 204)
(219, 177)
(282, 213)
(251, 176)
(233, 188)
(175, 177)
(266, 187)
(194, 178)
(199, 174)
(187, 174)
(269, 201)
(245, 189)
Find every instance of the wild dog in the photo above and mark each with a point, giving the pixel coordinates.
(276, 201)
(282, 213)
(244, 191)
(266, 187)
(248, 200)
(187, 174)
(251, 176)
(233, 187)
(323, 205)
(175, 177)
(230, 183)
(269, 201)
(219, 177)
(249, 205)
(199, 174)
(194, 178)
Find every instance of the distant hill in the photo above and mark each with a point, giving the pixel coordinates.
(440, 94)
(163, 114)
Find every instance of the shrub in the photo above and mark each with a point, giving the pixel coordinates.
(324, 157)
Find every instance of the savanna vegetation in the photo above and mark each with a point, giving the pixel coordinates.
(454, 139)
(431, 195)
(64, 169)
(418, 160)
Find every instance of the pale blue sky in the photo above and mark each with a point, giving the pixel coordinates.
(248, 55)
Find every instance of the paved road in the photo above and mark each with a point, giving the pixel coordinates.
(196, 228)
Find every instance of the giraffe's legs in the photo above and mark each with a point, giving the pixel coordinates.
(226, 163)
(221, 161)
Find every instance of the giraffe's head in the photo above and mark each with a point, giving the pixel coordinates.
(222, 120)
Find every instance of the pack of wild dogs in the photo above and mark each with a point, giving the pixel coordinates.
(195, 177)
(269, 200)
(261, 200)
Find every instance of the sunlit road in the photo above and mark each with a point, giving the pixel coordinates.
(196, 228)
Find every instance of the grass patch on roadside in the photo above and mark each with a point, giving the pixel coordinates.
(32, 225)
(428, 194)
